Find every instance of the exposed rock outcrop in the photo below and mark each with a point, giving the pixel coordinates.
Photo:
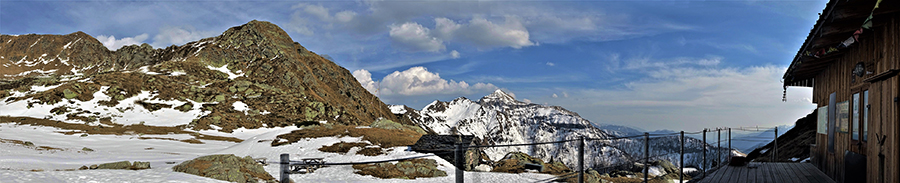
(227, 167)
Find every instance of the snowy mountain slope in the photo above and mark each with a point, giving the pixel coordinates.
(250, 76)
(498, 119)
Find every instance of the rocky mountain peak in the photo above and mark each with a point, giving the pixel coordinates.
(252, 75)
(258, 33)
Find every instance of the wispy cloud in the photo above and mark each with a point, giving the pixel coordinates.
(114, 44)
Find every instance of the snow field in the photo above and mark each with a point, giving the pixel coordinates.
(127, 112)
(16, 160)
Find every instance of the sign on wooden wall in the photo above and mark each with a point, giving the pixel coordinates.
(822, 120)
(844, 117)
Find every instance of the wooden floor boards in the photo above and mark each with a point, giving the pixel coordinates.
(768, 173)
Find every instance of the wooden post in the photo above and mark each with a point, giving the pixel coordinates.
(460, 164)
(729, 145)
(703, 165)
(718, 147)
(646, 156)
(775, 146)
(581, 160)
(681, 171)
(285, 168)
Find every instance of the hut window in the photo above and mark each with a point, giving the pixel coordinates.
(855, 121)
(865, 121)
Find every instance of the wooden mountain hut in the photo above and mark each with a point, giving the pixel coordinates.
(851, 59)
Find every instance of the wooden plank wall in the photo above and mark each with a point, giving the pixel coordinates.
(880, 50)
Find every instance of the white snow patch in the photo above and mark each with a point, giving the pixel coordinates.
(689, 170)
(225, 70)
(240, 106)
(398, 109)
(31, 71)
(177, 73)
(44, 88)
(146, 70)
(35, 42)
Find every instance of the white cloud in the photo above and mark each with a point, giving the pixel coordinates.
(646, 63)
(668, 98)
(112, 43)
(526, 100)
(345, 16)
(299, 25)
(555, 96)
(444, 28)
(365, 79)
(414, 37)
(316, 10)
(485, 34)
(551, 64)
(454, 54)
(178, 36)
(417, 81)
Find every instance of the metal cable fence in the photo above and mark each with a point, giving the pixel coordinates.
(661, 150)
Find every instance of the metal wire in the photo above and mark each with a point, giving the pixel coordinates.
(354, 163)
(563, 176)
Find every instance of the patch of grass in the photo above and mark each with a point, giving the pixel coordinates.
(371, 151)
(342, 147)
(116, 129)
(381, 137)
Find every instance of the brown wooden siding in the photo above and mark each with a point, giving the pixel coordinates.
(879, 49)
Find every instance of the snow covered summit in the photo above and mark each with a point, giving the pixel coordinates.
(499, 119)
(500, 96)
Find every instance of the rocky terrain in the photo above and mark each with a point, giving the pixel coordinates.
(793, 145)
(250, 76)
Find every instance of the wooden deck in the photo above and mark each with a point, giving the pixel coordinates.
(768, 172)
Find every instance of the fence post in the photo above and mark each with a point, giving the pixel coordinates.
(681, 171)
(581, 159)
(285, 168)
(703, 165)
(729, 145)
(718, 147)
(646, 156)
(458, 157)
(775, 146)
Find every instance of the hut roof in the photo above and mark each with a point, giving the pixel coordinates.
(837, 23)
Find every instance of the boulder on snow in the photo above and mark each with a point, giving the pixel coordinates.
(405, 169)
(227, 167)
(517, 162)
(122, 165)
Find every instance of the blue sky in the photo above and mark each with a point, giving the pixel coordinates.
(680, 65)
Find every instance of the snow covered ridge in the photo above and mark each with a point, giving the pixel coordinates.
(498, 119)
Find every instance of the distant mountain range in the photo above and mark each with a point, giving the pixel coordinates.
(498, 119)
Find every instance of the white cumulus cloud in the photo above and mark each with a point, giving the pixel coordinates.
(365, 79)
(415, 37)
(483, 33)
(454, 54)
(112, 43)
(178, 36)
(417, 81)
